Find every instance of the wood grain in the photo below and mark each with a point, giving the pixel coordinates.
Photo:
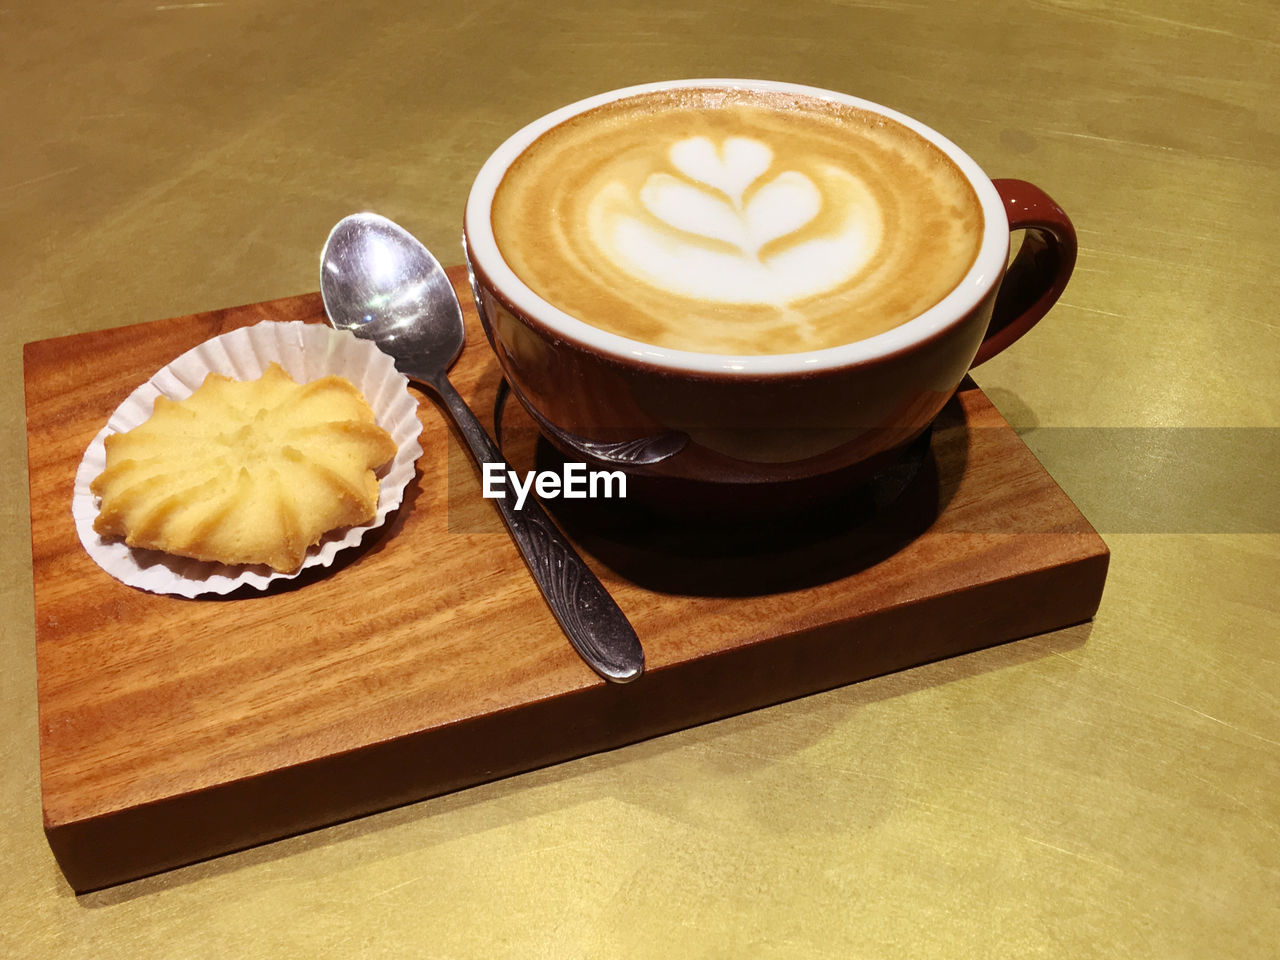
(173, 730)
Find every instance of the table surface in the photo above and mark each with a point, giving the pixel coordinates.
(1110, 790)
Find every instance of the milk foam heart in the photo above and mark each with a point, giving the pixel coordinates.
(735, 221)
(730, 169)
(706, 236)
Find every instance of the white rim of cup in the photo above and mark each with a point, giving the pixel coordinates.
(985, 272)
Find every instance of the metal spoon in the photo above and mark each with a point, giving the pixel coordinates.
(380, 283)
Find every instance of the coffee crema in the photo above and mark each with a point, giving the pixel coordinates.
(732, 221)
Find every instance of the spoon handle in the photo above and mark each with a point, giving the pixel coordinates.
(595, 625)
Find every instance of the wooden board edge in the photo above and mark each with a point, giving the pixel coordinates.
(136, 842)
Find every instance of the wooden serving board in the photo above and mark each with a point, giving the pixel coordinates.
(173, 730)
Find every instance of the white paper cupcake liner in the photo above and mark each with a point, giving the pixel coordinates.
(306, 351)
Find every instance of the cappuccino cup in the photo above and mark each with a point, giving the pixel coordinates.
(744, 283)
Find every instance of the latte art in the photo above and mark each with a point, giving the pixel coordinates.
(736, 222)
(728, 229)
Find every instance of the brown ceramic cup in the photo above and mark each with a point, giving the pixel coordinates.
(720, 422)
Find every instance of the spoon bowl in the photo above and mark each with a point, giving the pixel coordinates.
(380, 283)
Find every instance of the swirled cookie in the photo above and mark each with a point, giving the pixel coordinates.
(245, 472)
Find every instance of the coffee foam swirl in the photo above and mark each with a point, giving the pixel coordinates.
(736, 222)
(729, 229)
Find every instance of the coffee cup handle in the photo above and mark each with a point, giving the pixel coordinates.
(1039, 272)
